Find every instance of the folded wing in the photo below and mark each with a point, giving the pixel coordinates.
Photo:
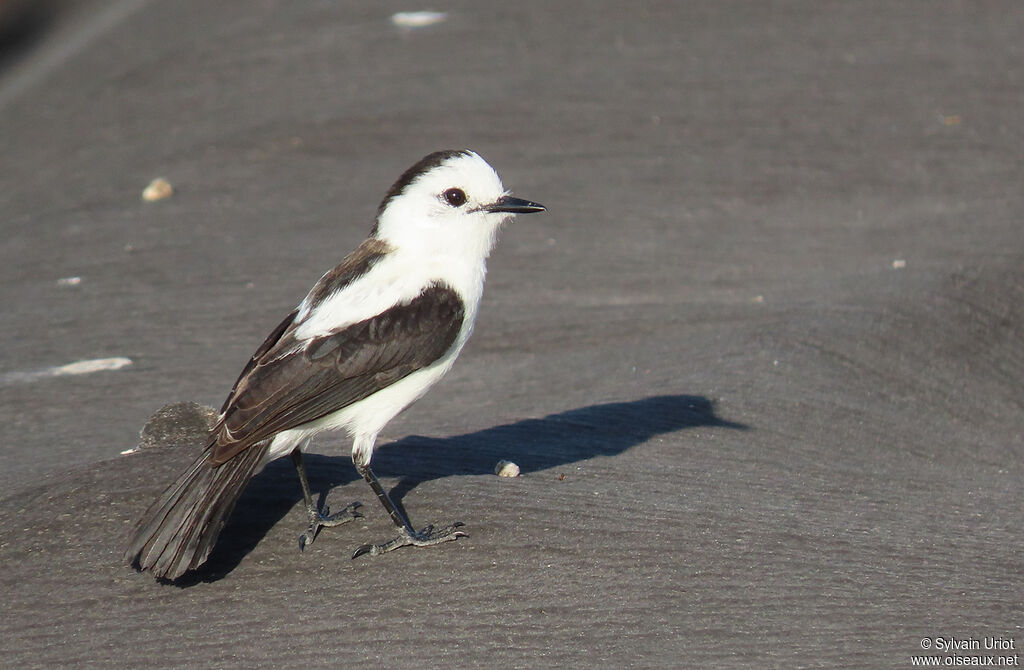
(290, 382)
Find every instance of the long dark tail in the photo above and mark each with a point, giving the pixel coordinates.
(178, 531)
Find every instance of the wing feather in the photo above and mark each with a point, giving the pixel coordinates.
(290, 382)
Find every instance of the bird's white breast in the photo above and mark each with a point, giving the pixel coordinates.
(397, 278)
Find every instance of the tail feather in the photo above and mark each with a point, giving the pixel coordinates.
(178, 531)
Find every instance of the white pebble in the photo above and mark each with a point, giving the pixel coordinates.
(506, 469)
(158, 189)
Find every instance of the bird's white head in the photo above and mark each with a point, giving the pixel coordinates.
(449, 203)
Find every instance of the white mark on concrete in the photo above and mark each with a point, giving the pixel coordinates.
(76, 368)
(417, 19)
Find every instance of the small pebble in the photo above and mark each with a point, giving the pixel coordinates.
(506, 469)
(158, 189)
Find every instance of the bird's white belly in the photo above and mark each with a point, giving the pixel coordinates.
(364, 419)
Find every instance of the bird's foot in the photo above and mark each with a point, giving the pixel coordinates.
(324, 519)
(424, 538)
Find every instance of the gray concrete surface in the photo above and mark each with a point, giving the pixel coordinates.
(760, 362)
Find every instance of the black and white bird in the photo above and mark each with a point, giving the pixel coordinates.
(371, 337)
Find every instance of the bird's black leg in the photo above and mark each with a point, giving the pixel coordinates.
(406, 534)
(319, 518)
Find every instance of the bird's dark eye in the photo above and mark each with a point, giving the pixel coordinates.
(455, 197)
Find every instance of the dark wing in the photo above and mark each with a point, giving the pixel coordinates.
(292, 382)
(356, 264)
(261, 354)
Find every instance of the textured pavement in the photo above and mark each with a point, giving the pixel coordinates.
(760, 362)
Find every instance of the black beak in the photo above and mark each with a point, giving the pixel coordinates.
(507, 203)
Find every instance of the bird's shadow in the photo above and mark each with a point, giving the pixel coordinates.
(534, 444)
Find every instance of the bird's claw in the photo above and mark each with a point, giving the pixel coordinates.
(324, 519)
(423, 538)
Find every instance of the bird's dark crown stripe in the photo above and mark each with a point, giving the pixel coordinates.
(425, 164)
